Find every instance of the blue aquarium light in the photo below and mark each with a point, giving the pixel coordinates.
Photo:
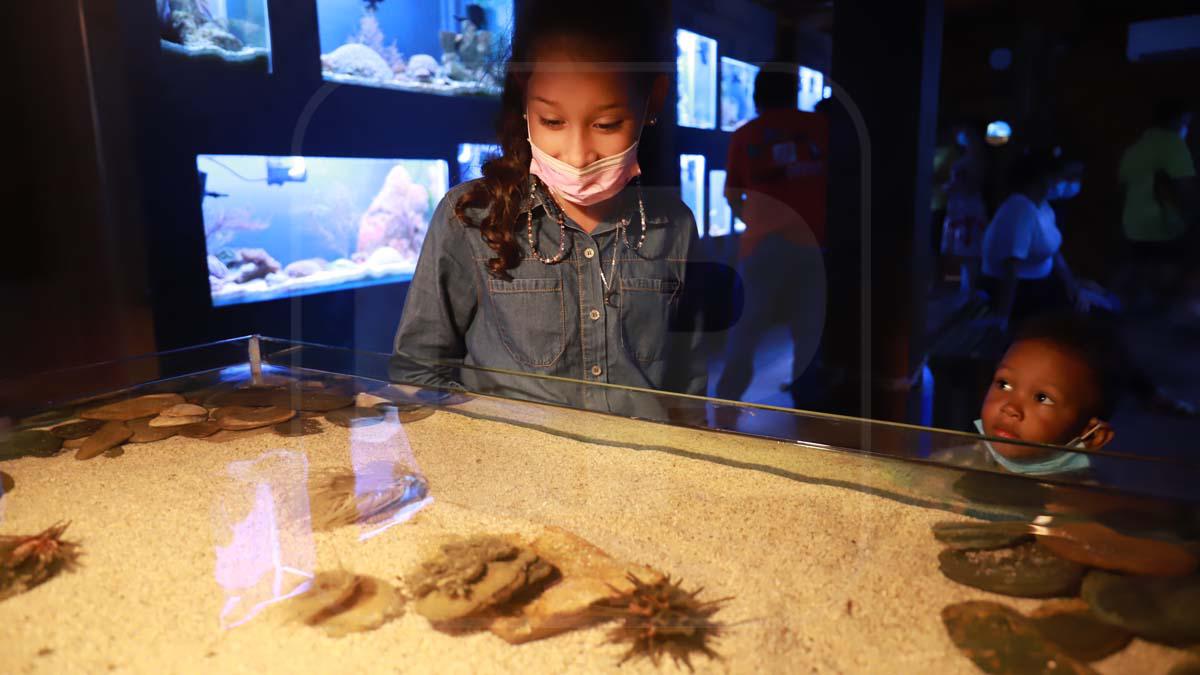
(691, 183)
(696, 80)
(737, 93)
(998, 132)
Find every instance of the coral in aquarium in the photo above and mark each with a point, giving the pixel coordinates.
(397, 216)
(332, 219)
(356, 60)
(221, 226)
(371, 35)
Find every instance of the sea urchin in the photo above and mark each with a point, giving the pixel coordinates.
(662, 618)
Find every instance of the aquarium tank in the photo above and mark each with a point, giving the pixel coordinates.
(812, 89)
(276, 227)
(737, 93)
(696, 77)
(471, 157)
(445, 47)
(691, 183)
(720, 217)
(231, 31)
(998, 133)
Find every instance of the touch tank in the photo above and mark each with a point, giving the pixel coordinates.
(235, 32)
(278, 227)
(436, 47)
(260, 505)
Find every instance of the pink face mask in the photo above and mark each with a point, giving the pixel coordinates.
(594, 183)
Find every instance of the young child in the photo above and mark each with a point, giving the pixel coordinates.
(1057, 384)
(558, 262)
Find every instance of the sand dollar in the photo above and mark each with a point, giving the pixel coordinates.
(240, 419)
(35, 443)
(1003, 642)
(298, 426)
(133, 408)
(1071, 625)
(981, 536)
(354, 417)
(1165, 609)
(1027, 570)
(109, 436)
(201, 429)
(144, 433)
(1095, 545)
(80, 429)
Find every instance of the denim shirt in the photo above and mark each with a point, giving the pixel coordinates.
(557, 319)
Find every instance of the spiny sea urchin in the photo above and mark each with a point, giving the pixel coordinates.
(662, 618)
(26, 561)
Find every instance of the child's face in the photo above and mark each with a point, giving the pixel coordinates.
(1041, 394)
(580, 115)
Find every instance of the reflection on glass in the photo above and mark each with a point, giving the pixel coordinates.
(720, 217)
(691, 182)
(284, 226)
(812, 89)
(998, 132)
(232, 31)
(445, 47)
(737, 93)
(696, 63)
(263, 516)
(471, 157)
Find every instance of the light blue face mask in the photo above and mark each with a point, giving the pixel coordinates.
(1059, 462)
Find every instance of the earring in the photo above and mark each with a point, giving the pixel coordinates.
(524, 116)
(652, 122)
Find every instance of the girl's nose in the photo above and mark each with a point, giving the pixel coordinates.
(579, 152)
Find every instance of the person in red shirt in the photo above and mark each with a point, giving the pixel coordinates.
(777, 173)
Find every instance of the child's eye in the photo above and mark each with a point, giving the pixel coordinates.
(1003, 385)
(610, 126)
(553, 124)
(1043, 397)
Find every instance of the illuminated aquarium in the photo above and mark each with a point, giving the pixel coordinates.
(233, 31)
(720, 217)
(434, 46)
(737, 93)
(696, 63)
(998, 132)
(812, 89)
(471, 157)
(691, 183)
(276, 227)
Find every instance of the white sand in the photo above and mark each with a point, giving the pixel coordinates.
(828, 577)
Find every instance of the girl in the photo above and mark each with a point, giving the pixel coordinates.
(559, 261)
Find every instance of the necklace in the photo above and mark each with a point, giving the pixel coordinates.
(622, 231)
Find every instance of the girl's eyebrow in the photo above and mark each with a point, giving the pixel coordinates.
(606, 106)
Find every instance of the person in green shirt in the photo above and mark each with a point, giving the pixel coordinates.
(1158, 178)
(1155, 172)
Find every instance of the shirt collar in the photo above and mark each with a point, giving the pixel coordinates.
(532, 202)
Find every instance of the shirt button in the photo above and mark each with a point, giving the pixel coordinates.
(596, 371)
(594, 315)
(589, 253)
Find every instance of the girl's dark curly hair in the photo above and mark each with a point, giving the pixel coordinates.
(623, 32)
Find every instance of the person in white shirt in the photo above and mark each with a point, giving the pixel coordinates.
(1023, 262)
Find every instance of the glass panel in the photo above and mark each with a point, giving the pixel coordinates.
(696, 63)
(233, 31)
(737, 93)
(445, 47)
(720, 215)
(278, 227)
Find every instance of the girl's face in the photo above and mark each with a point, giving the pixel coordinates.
(580, 115)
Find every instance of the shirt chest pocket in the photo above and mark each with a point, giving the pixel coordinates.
(645, 312)
(531, 318)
